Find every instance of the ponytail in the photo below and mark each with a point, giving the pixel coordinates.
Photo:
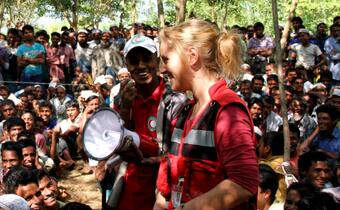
(228, 55)
(220, 51)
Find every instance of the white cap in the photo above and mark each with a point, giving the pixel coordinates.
(108, 76)
(100, 80)
(140, 41)
(82, 31)
(307, 86)
(13, 202)
(303, 30)
(52, 85)
(122, 71)
(86, 94)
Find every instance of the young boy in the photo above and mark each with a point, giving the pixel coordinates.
(271, 153)
(13, 126)
(65, 133)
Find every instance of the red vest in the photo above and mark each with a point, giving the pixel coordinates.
(194, 157)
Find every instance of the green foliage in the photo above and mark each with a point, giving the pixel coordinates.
(241, 12)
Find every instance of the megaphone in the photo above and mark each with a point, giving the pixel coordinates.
(103, 136)
(104, 133)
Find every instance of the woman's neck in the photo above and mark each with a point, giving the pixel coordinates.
(200, 89)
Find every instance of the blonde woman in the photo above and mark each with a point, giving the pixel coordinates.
(211, 162)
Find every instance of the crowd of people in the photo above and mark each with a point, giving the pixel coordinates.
(203, 104)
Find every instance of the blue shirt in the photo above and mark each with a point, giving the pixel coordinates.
(329, 143)
(31, 51)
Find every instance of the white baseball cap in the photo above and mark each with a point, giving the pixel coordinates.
(140, 41)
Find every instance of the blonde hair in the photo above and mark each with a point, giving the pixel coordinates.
(220, 51)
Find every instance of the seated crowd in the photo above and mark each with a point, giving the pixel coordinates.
(50, 88)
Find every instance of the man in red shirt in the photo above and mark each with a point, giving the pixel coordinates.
(140, 98)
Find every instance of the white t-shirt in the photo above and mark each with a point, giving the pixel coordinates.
(305, 56)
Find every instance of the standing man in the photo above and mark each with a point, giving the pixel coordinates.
(140, 98)
(67, 58)
(31, 57)
(83, 52)
(260, 47)
(106, 58)
(332, 50)
(54, 58)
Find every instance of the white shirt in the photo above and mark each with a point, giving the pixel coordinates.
(305, 56)
(273, 122)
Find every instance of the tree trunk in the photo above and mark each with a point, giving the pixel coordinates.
(160, 13)
(278, 61)
(75, 15)
(288, 23)
(180, 10)
(122, 14)
(2, 11)
(224, 18)
(213, 12)
(134, 12)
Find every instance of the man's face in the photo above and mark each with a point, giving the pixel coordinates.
(11, 39)
(259, 32)
(106, 39)
(245, 90)
(303, 37)
(82, 38)
(271, 83)
(8, 111)
(61, 93)
(41, 39)
(28, 35)
(93, 105)
(335, 31)
(72, 113)
(65, 39)
(45, 113)
(31, 194)
(276, 96)
(142, 65)
(257, 85)
(318, 174)
(325, 122)
(289, 96)
(29, 155)
(55, 40)
(296, 24)
(14, 131)
(4, 94)
(48, 192)
(291, 75)
(9, 159)
(336, 101)
(255, 111)
(297, 107)
(298, 85)
(124, 76)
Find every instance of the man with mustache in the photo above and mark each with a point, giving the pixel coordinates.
(106, 58)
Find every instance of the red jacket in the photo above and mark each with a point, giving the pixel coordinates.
(193, 155)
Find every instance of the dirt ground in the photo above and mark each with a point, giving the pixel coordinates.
(81, 188)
